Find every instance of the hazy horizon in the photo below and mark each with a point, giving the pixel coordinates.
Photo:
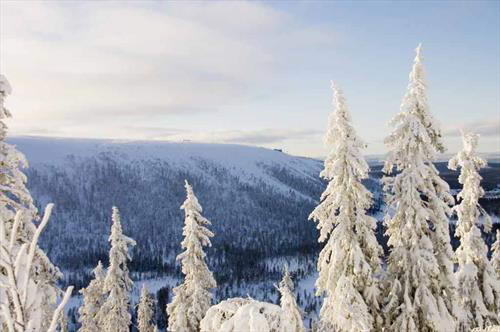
(439, 156)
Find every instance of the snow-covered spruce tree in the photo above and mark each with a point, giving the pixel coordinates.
(145, 311)
(495, 255)
(479, 287)
(114, 314)
(291, 311)
(350, 260)
(420, 267)
(192, 298)
(15, 196)
(21, 295)
(93, 299)
(436, 191)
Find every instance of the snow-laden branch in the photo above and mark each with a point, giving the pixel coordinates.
(20, 294)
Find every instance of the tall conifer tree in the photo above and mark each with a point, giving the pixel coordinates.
(350, 260)
(192, 298)
(422, 291)
(114, 314)
(479, 287)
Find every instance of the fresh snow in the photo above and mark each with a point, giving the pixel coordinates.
(247, 162)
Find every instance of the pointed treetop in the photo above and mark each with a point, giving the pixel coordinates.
(338, 119)
(285, 270)
(99, 270)
(116, 226)
(338, 97)
(117, 238)
(191, 202)
(334, 86)
(189, 188)
(5, 87)
(470, 141)
(286, 281)
(115, 214)
(417, 73)
(418, 50)
(5, 90)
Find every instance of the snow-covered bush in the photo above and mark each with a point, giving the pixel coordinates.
(239, 314)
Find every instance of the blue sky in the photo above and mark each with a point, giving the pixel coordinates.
(246, 72)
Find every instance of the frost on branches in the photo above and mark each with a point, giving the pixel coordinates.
(93, 299)
(488, 329)
(21, 295)
(145, 311)
(350, 260)
(15, 197)
(479, 287)
(192, 298)
(292, 318)
(420, 268)
(114, 315)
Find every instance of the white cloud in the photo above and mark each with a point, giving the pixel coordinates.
(79, 67)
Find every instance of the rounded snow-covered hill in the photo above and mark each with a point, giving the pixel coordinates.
(246, 162)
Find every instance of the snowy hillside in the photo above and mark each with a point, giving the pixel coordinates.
(249, 163)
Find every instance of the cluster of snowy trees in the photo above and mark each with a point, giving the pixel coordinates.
(419, 290)
(424, 285)
(106, 299)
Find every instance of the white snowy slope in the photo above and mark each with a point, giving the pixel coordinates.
(247, 162)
